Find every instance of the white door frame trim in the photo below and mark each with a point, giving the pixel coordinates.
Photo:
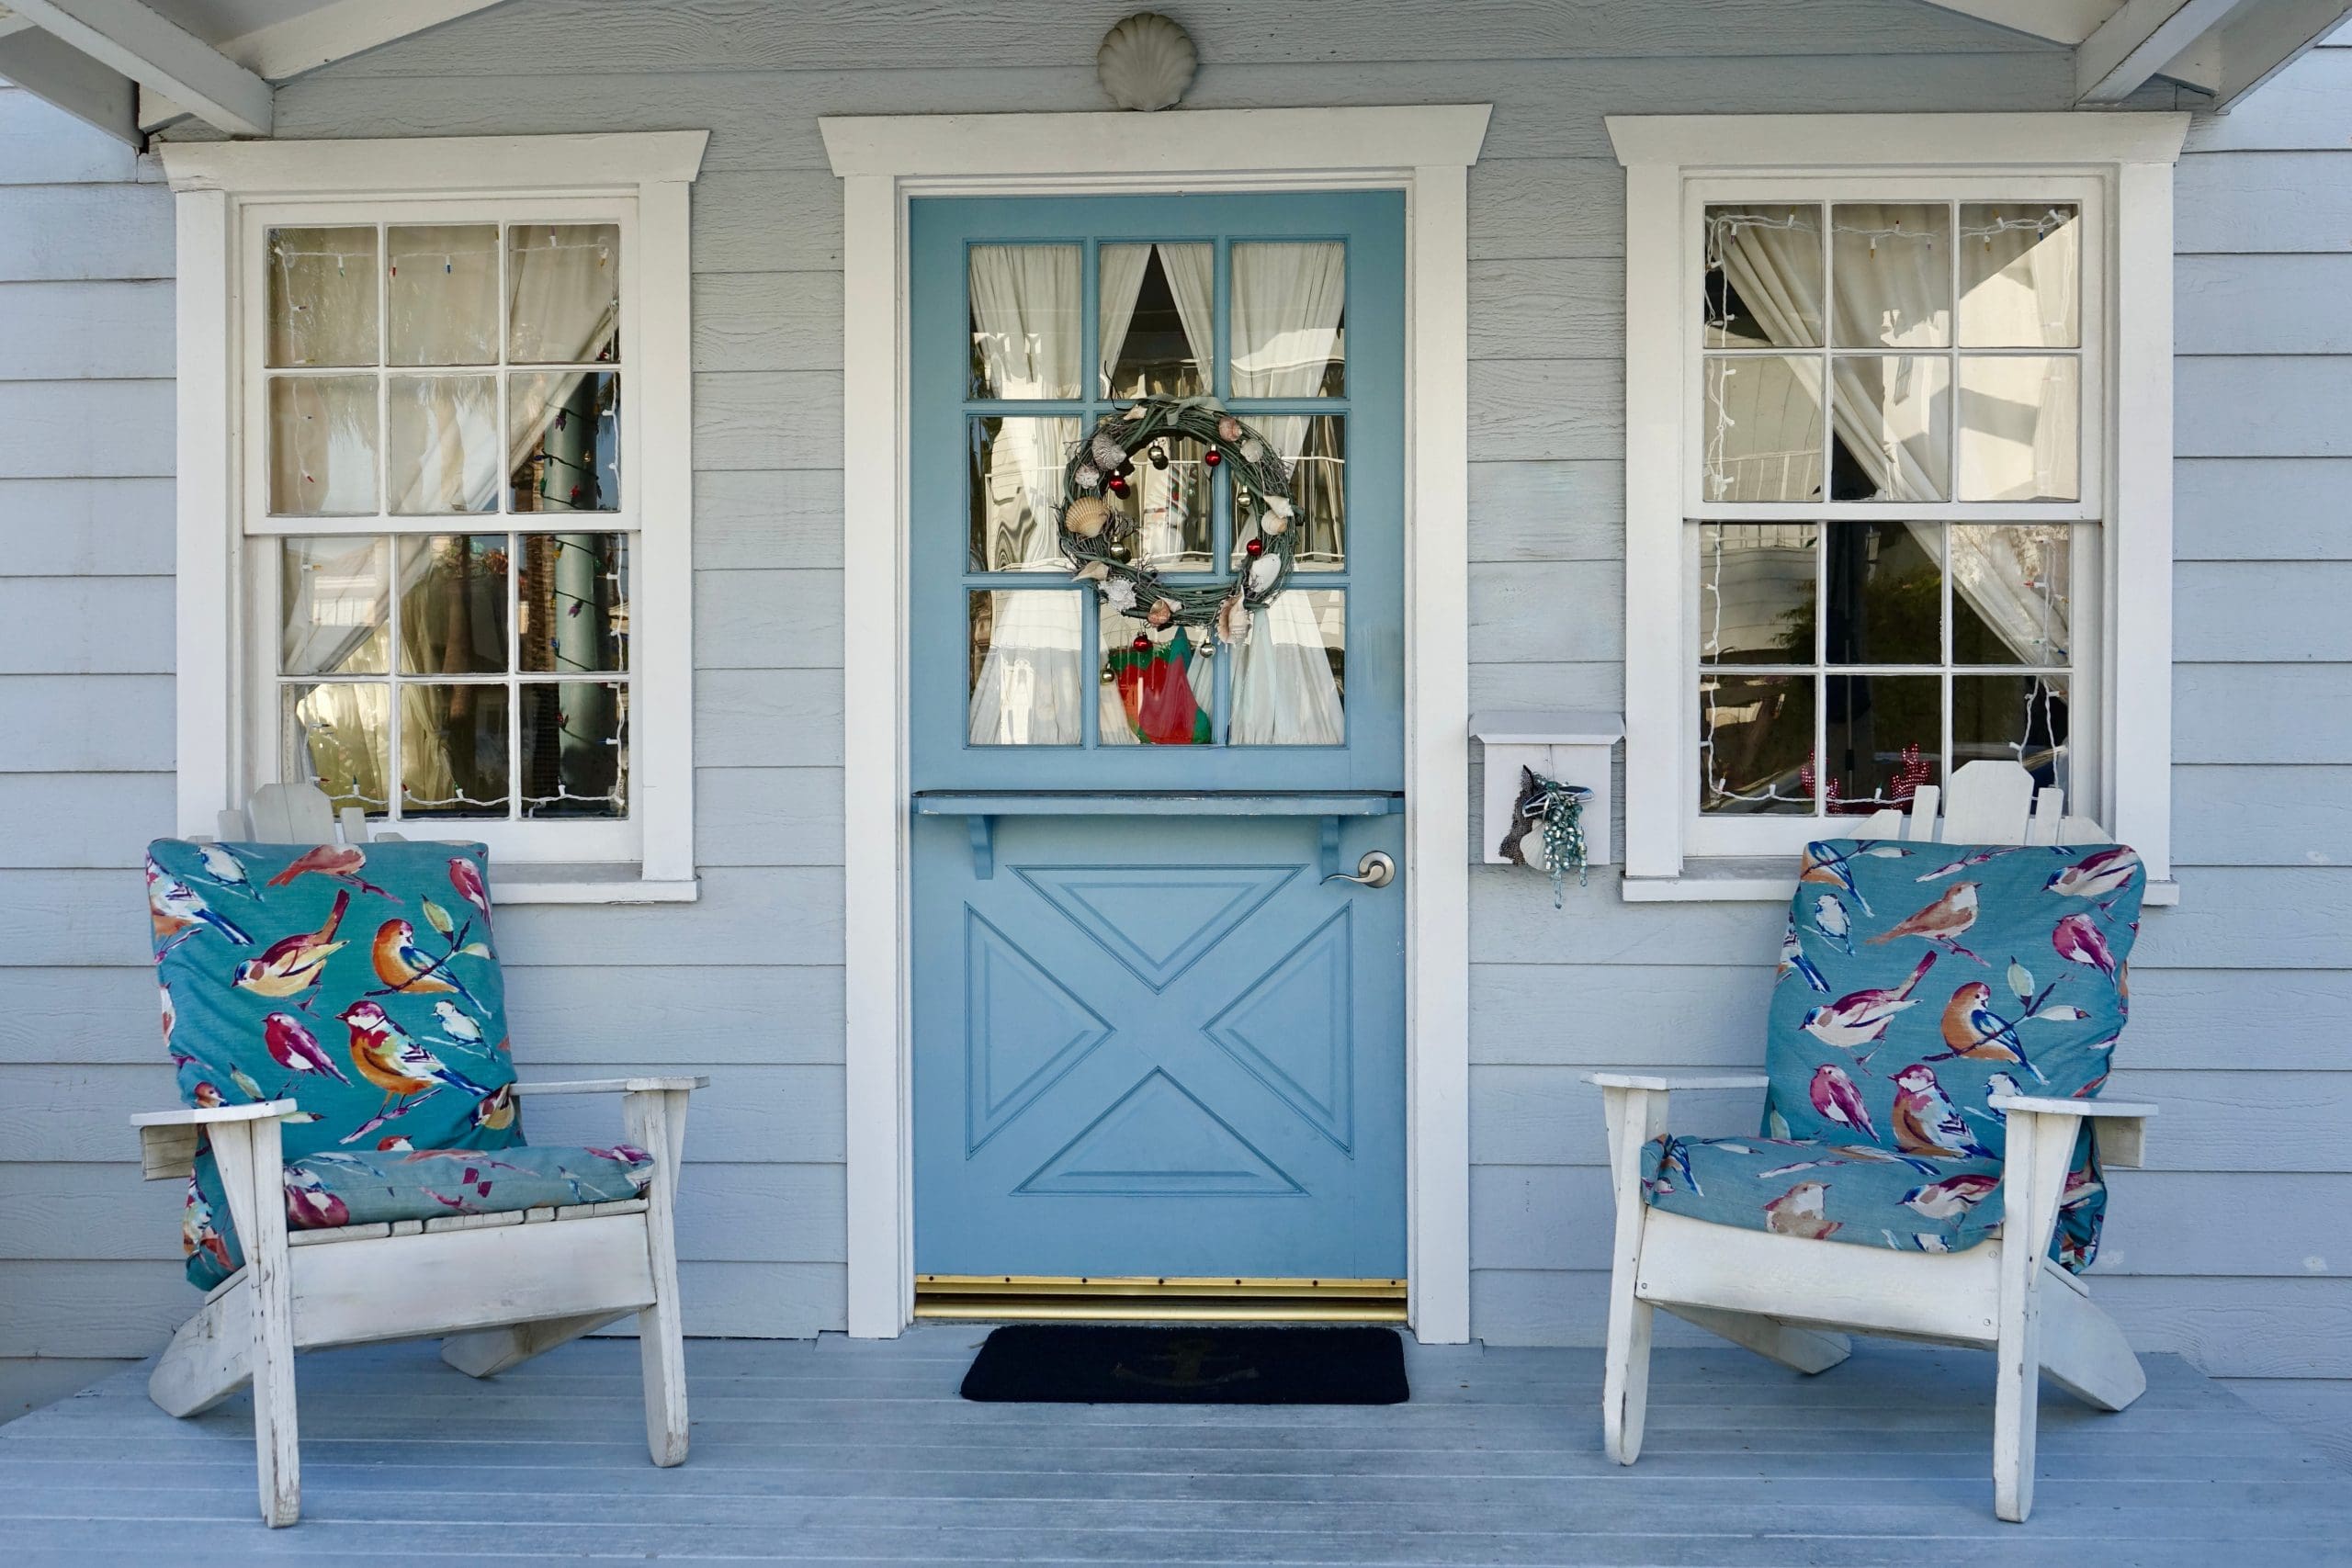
(1425, 151)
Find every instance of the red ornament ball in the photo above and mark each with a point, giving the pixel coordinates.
(1213, 457)
(1255, 547)
(1118, 486)
(1141, 643)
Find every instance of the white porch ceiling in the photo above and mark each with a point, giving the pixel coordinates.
(2224, 48)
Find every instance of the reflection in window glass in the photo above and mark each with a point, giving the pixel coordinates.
(1290, 673)
(1163, 694)
(2021, 274)
(1289, 312)
(575, 749)
(334, 598)
(1755, 590)
(322, 445)
(2020, 427)
(566, 431)
(1028, 671)
(2013, 718)
(445, 449)
(1315, 447)
(322, 296)
(1017, 465)
(1028, 306)
(1157, 327)
(339, 736)
(1893, 428)
(441, 293)
(2010, 601)
(572, 599)
(1890, 272)
(1884, 735)
(1763, 276)
(453, 750)
(453, 604)
(563, 293)
(1761, 428)
(1168, 504)
(1884, 590)
(1756, 744)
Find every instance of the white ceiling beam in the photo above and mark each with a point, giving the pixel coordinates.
(69, 80)
(2265, 40)
(2054, 21)
(128, 37)
(314, 38)
(2141, 41)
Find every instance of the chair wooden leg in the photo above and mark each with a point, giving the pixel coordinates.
(653, 1122)
(2033, 1176)
(1806, 1350)
(252, 1171)
(1634, 1116)
(207, 1360)
(2084, 1352)
(486, 1352)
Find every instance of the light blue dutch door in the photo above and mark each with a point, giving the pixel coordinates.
(1149, 1038)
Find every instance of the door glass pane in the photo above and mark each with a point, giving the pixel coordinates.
(322, 296)
(573, 596)
(1762, 430)
(1755, 592)
(1891, 270)
(2013, 718)
(1017, 467)
(441, 293)
(1169, 506)
(1162, 694)
(453, 604)
(1893, 441)
(1315, 447)
(1885, 593)
(575, 749)
(334, 597)
(1884, 735)
(1028, 304)
(2010, 597)
(2021, 274)
(444, 451)
(453, 750)
(1289, 313)
(1756, 744)
(1027, 673)
(2020, 424)
(1290, 673)
(566, 435)
(339, 737)
(323, 445)
(1158, 329)
(1763, 279)
(563, 293)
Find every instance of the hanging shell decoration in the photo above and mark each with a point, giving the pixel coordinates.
(1145, 61)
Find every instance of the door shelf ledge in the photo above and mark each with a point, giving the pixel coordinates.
(980, 808)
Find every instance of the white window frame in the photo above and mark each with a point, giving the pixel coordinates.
(227, 197)
(2119, 167)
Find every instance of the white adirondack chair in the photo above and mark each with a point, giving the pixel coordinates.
(1793, 1300)
(502, 1287)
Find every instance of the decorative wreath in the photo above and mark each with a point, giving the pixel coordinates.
(1091, 527)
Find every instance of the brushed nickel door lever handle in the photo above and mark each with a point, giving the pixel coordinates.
(1375, 869)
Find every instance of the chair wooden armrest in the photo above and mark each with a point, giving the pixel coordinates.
(167, 1139)
(2122, 1124)
(1667, 1083)
(614, 1086)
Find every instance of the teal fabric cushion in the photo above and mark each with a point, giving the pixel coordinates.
(359, 981)
(1846, 1191)
(1916, 982)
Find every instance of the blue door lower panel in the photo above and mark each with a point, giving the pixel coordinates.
(1158, 1046)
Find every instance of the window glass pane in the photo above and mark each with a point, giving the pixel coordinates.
(1893, 441)
(322, 296)
(575, 749)
(1756, 744)
(1884, 591)
(573, 598)
(2011, 600)
(566, 430)
(2021, 274)
(444, 454)
(323, 445)
(1317, 450)
(339, 737)
(1763, 279)
(1163, 694)
(1755, 592)
(1884, 735)
(335, 596)
(441, 293)
(453, 604)
(1289, 315)
(2020, 421)
(1159, 320)
(1017, 466)
(1028, 673)
(2013, 718)
(1290, 673)
(1762, 433)
(453, 750)
(1027, 320)
(1169, 506)
(563, 293)
(1890, 272)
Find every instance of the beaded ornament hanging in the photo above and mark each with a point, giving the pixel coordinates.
(1552, 813)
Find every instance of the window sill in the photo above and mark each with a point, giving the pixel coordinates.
(549, 883)
(1745, 881)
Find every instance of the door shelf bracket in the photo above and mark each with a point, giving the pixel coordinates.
(980, 808)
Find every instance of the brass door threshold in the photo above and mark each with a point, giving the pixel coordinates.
(996, 1298)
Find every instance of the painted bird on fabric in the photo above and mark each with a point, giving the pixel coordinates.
(405, 966)
(1953, 868)
(178, 911)
(388, 1059)
(223, 865)
(1940, 923)
(1951, 1197)
(1799, 1212)
(1975, 1031)
(341, 862)
(460, 1028)
(1927, 1122)
(2077, 937)
(294, 965)
(465, 877)
(1836, 927)
(1795, 961)
(1860, 1018)
(1835, 1096)
(2096, 876)
(496, 1111)
(1821, 864)
(295, 1048)
(198, 1232)
(309, 1205)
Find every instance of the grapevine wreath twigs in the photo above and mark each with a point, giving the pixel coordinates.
(1092, 529)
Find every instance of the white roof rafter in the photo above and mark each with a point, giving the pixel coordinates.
(128, 37)
(2226, 48)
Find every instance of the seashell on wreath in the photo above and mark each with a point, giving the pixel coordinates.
(1087, 517)
(1145, 61)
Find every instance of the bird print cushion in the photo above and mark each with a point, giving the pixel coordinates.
(1917, 981)
(361, 982)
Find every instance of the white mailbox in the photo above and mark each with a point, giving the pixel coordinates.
(1572, 747)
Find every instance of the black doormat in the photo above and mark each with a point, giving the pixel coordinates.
(1087, 1363)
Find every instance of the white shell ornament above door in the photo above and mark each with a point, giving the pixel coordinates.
(1145, 61)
